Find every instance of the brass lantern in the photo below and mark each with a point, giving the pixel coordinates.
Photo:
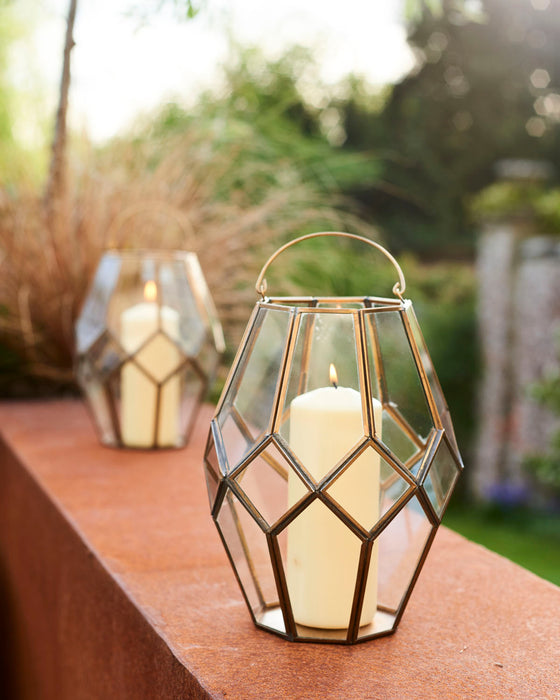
(330, 461)
(148, 344)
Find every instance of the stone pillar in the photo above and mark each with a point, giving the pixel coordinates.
(495, 260)
(536, 346)
(519, 325)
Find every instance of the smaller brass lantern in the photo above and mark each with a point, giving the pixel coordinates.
(148, 344)
(330, 461)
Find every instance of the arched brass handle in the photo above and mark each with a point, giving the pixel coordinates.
(398, 288)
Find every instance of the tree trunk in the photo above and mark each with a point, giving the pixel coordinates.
(55, 191)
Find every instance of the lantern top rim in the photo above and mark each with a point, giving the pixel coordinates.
(398, 288)
(333, 304)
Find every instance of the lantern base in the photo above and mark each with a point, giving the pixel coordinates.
(272, 620)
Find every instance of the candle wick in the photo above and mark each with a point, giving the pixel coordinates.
(335, 384)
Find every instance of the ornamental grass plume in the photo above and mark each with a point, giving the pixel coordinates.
(231, 210)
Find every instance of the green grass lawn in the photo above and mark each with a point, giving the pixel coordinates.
(531, 539)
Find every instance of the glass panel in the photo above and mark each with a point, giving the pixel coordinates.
(204, 301)
(322, 412)
(441, 478)
(401, 544)
(159, 357)
(255, 392)
(368, 488)
(192, 390)
(265, 483)
(92, 319)
(113, 393)
(321, 568)
(400, 381)
(129, 297)
(340, 305)
(396, 439)
(175, 293)
(99, 403)
(415, 462)
(248, 548)
(105, 355)
(212, 471)
(374, 357)
(208, 358)
(246, 412)
(433, 381)
(235, 437)
(393, 487)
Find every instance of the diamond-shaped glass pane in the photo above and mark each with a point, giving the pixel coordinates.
(159, 356)
(156, 351)
(246, 411)
(265, 483)
(212, 471)
(248, 549)
(401, 545)
(398, 377)
(321, 568)
(368, 488)
(435, 386)
(441, 477)
(322, 412)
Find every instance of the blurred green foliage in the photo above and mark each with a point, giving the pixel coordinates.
(9, 151)
(506, 199)
(528, 537)
(262, 110)
(486, 87)
(21, 164)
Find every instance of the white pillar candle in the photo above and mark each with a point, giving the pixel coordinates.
(139, 394)
(322, 553)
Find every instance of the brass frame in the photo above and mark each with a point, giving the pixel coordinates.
(222, 476)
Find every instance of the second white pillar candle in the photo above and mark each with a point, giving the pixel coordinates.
(138, 392)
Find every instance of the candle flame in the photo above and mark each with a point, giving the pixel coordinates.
(333, 376)
(150, 291)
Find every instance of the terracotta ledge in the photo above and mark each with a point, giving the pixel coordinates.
(114, 584)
